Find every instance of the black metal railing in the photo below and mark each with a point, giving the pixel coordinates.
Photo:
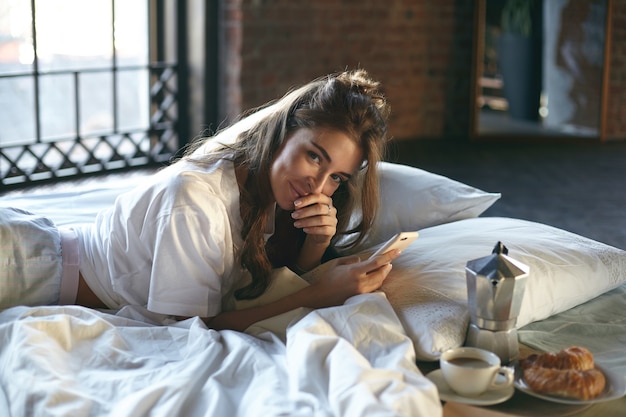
(80, 154)
(38, 157)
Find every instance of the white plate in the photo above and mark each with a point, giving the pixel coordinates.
(615, 388)
(495, 396)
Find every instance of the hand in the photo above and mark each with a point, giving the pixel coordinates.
(317, 217)
(342, 278)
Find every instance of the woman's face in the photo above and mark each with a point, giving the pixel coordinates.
(313, 161)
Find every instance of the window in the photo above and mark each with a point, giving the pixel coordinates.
(80, 92)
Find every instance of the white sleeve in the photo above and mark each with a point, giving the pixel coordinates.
(193, 253)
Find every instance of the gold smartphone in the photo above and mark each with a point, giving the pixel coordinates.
(400, 241)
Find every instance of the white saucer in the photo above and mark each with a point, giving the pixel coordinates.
(495, 396)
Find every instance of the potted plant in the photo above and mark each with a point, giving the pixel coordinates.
(519, 57)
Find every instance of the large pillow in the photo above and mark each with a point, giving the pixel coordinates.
(412, 199)
(427, 285)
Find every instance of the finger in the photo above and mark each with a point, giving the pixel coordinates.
(311, 199)
(380, 273)
(374, 279)
(315, 221)
(324, 202)
(379, 261)
(332, 211)
(317, 209)
(328, 210)
(348, 260)
(323, 224)
(387, 257)
(384, 273)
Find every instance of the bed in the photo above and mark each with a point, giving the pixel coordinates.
(371, 356)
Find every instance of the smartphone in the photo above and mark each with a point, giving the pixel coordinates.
(400, 241)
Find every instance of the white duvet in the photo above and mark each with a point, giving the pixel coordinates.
(351, 360)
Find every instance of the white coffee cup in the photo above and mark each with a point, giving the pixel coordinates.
(471, 371)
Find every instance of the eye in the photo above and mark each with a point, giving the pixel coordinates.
(338, 179)
(315, 157)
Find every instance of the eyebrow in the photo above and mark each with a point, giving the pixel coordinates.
(328, 158)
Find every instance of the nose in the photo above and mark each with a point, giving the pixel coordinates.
(316, 185)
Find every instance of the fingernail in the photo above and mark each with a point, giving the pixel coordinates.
(297, 203)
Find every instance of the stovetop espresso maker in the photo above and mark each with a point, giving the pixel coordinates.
(495, 288)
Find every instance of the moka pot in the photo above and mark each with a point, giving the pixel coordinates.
(495, 289)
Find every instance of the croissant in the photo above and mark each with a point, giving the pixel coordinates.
(573, 357)
(569, 373)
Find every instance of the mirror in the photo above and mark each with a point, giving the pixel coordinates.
(539, 68)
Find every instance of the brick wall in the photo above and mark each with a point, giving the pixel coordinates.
(421, 51)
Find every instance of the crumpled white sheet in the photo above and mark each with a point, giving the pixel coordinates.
(351, 360)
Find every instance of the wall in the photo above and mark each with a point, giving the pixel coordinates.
(420, 50)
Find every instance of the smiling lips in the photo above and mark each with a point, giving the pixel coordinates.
(295, 192)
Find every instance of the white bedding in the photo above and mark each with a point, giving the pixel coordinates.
(75, 361)
(352, 360)
(600, 324)
(61, 361)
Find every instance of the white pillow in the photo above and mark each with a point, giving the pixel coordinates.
(427, 285)
(412, 199)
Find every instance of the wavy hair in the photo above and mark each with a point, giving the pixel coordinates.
(349, 102)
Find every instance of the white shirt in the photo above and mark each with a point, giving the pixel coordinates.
(171, 245)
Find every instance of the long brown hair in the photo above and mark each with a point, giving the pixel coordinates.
(350, 102)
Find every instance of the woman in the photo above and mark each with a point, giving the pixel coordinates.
(275, 189)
